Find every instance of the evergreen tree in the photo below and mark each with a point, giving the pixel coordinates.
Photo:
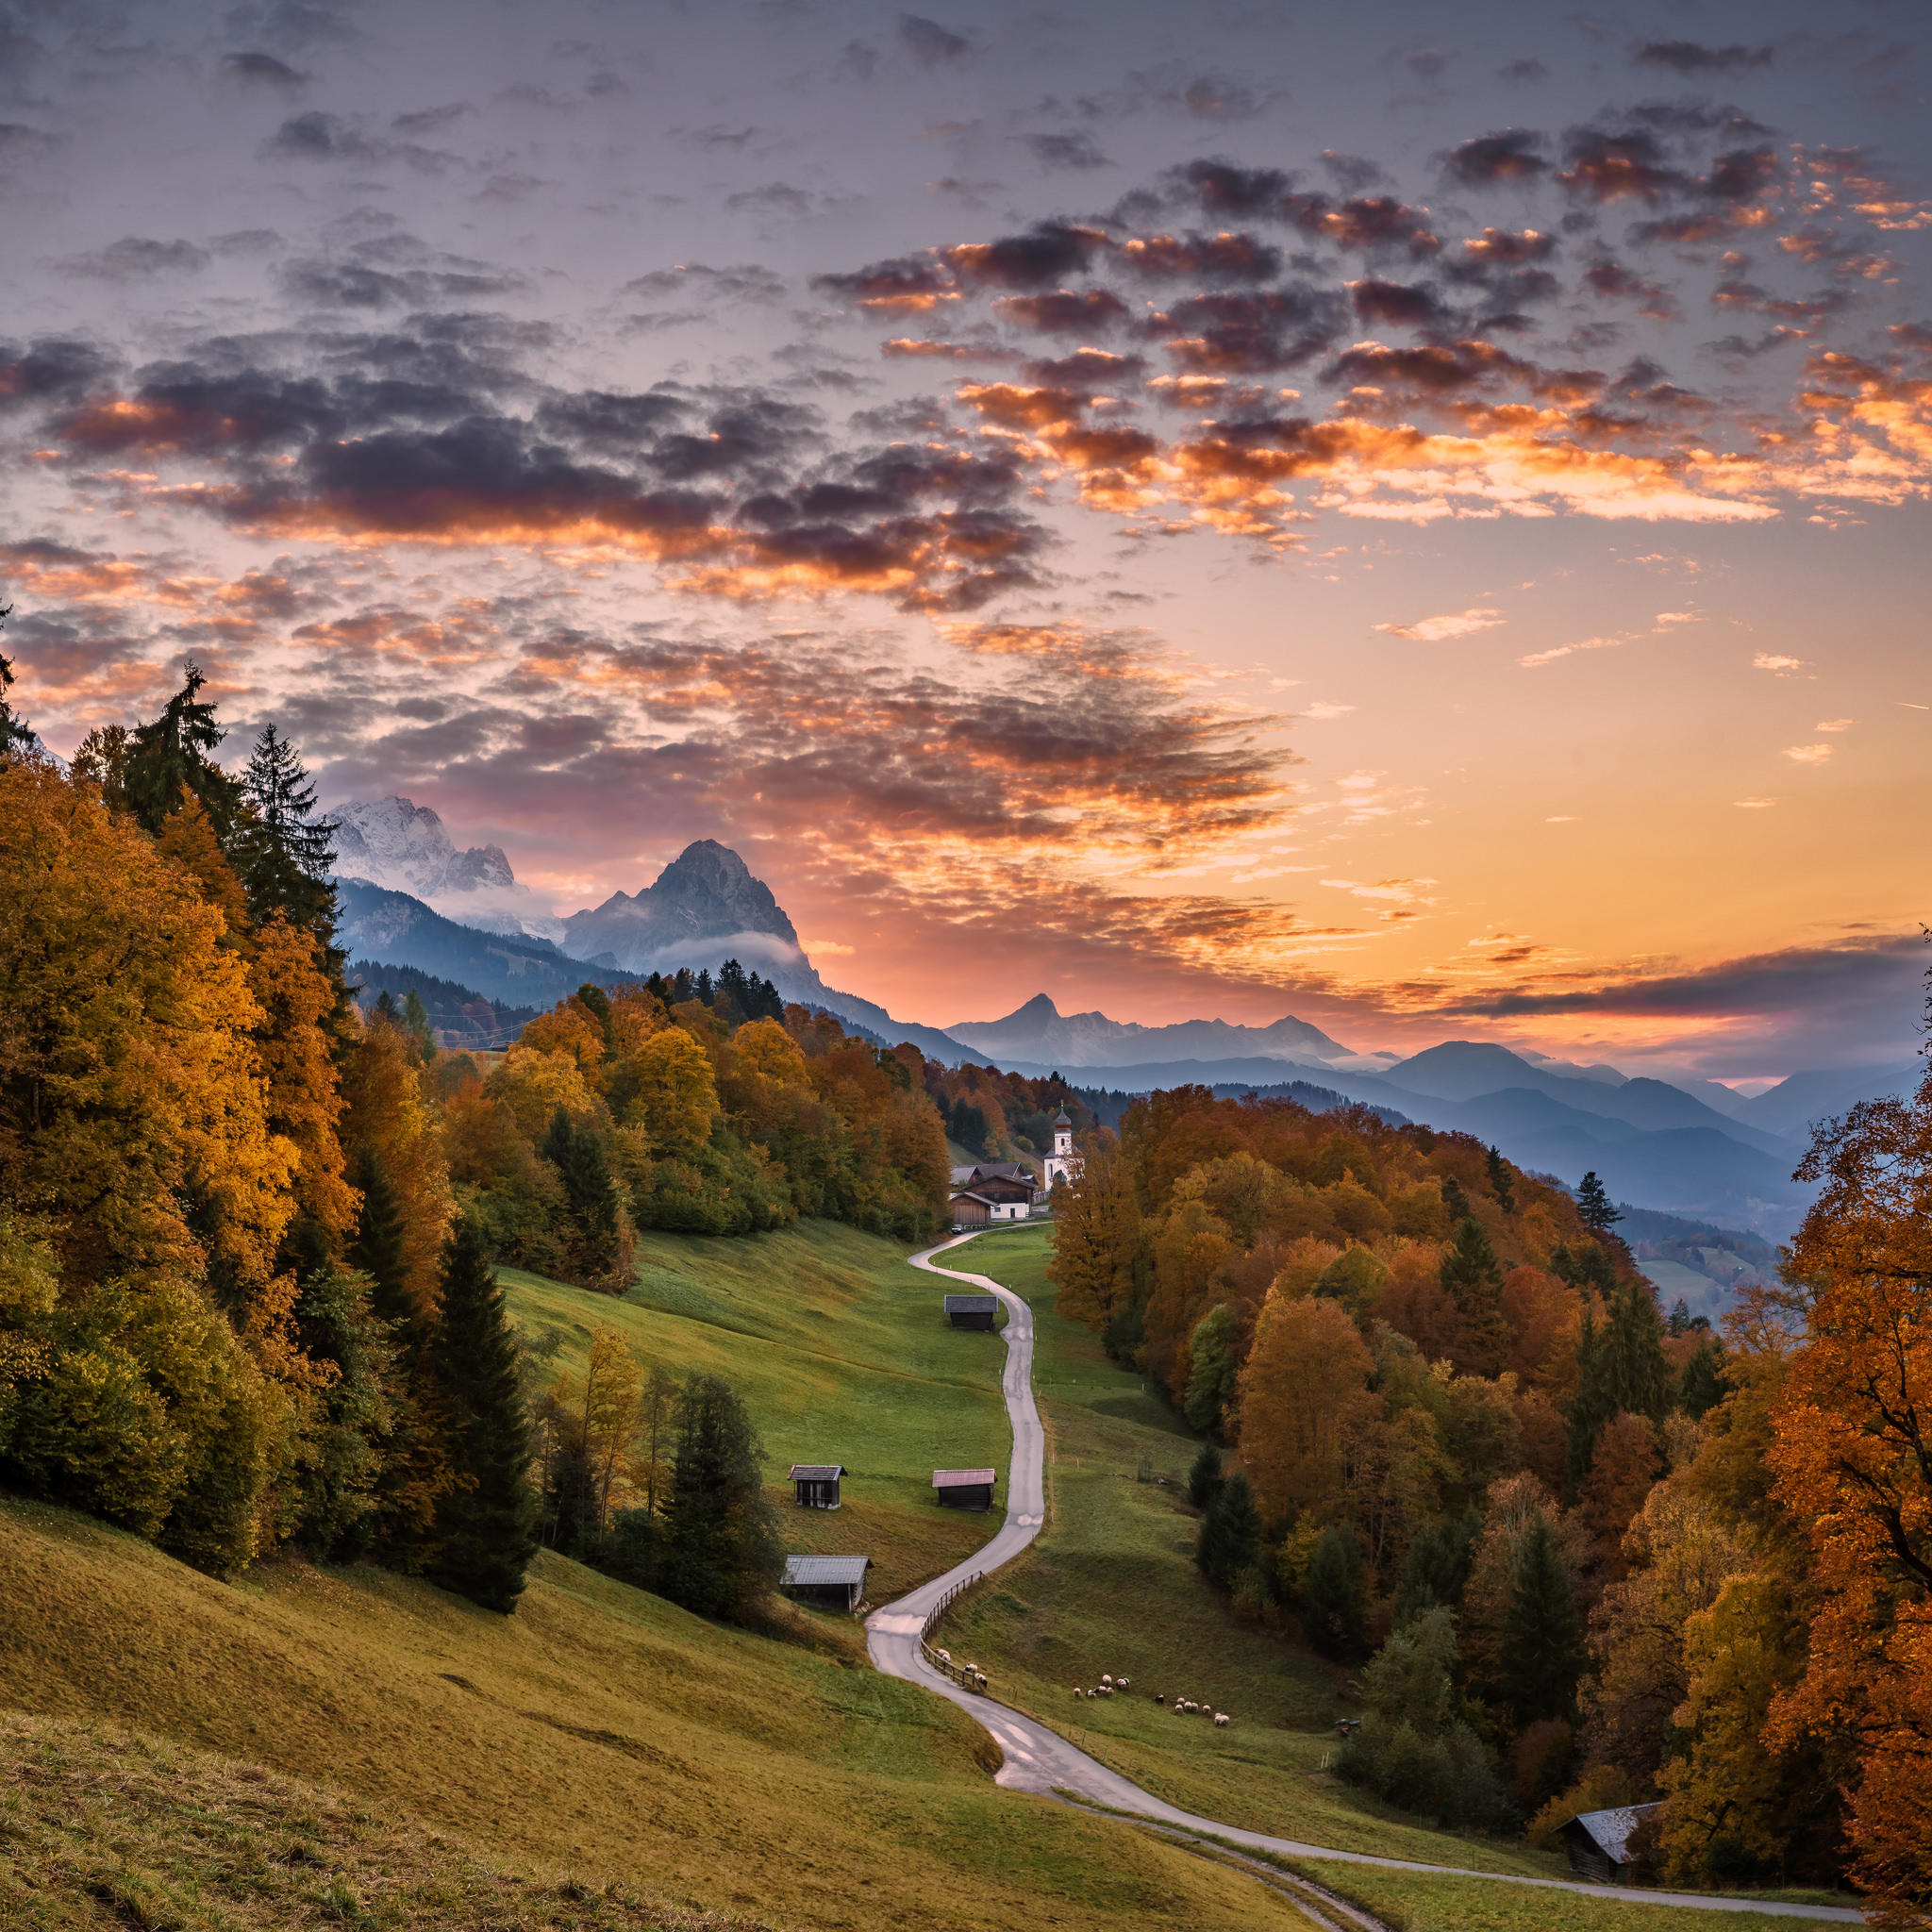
(702, 989)
(1230, 1537)
(1543, 1633)
(348, 1436)
(416, 1023)
(1204, 1479)
(1333, 1614)
(1454, 1199)
(16, 733)
(172, 753)
(1701, 1385)
(1620, 1368)
(1594, 1204)
(287, 850)
(1588, 1266)
(1502, 1182)
(720, 1552)
(1471, 1276)
(1437, 1567)
(377, 1251)
(485, 1527)
(590, 1199)
(1211, 1385)
(596, 1002)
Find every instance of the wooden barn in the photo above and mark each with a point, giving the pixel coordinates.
(1598, 1842)
(993, 1191)
(970, 1209)
(964, 1488)
(816, 1484)
(973, 1310)
(828, 1583)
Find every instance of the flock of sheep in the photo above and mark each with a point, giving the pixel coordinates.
(1108, 1685)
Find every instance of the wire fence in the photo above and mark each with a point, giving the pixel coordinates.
(968, 1676)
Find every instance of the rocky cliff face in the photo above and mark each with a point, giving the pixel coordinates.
(405, 848)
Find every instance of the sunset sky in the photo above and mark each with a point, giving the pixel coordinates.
(1412, 516)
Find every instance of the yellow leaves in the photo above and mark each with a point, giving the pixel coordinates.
(765, 1048)
(675, 1095)
(131, 1082)
(534, 1084)
(566, 1030)
(385, 1111)
(1303, 1388)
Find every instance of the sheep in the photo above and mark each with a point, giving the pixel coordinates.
(1106, 1689)
(1222, 1720)
(1160, 1697)
(945, 1656)
(1105, 1679)
(1124, 1684)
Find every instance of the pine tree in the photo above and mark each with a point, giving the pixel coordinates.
(172, 753)
(1502, 1182)
(1594, 1204)
(348, 1436)
(1454, 1199)
(1701, 1384)
(1473, 1277)
(1333, 1616)
(485, 1527)
(720, 1552)
(1437, 1567)
(377, 1251)
(16, 733)
(1543, 1633)
(1204, 1479)
(1230, 1535)
(416, 1023)
(591, 1200)
(289, 851)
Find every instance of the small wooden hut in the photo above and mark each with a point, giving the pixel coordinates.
(829, 1583)
(971, 1310)
(964, 1488)
(1598, 1842)
(816, 1484)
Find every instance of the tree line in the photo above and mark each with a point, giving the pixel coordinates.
(1582, 1553)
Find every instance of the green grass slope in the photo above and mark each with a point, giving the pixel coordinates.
(842, 1353)
(599, 1730)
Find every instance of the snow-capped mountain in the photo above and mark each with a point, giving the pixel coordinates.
(403, 847)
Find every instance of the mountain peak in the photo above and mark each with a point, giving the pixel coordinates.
(708, 901)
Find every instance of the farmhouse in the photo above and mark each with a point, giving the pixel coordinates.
(971, 1310)
(1598, 1842)
(816, 1484)
(964, 1488)
(830, 1583)
(993, 1191)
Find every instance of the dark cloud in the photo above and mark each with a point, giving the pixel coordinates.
(1354, 172)
(428, 120)
(1691, 57)
(319, 136)
(909, 282)
(262, 70)
(1523, 72)
(928, 43)
(774, 198)
(21, 142)
(1434, 371)
(355, 285)
(247, 241)
(50, 369)
(1088, 366)
(1621, 164)
(1398, 304)
(136, 257)
(1046, 254)
(1510, 155)
(1251, 334)
(1209, 97)
(1224, 189)
(1854, 999)
(1094, 311)
(1614, 282)
(1223, 257)
(1077, 151)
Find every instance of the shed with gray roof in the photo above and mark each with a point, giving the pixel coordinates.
(831, 1583)
(1598, 1842)
(964, 1488)
(816, 1484)
(973, 1310)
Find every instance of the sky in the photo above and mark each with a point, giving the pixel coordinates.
(1410, 516)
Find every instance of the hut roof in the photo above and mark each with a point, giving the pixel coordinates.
(963, 1478)
(971, 1304)
(830, 1570)
(971, 1195)
(1610, 1831)
(817, 1471)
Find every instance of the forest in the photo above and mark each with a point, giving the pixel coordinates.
(1578, 1553)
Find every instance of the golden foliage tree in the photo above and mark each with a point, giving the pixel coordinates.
(1096, 1233)
(1302, 1392)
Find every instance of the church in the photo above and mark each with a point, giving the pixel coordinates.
(995, 1190)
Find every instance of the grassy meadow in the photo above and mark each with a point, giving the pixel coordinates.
(600, 1735)
(842, 1353)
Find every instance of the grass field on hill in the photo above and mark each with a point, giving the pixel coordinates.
(599, 1732)
(841, 1352)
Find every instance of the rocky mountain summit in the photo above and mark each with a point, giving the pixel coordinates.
(405, 847)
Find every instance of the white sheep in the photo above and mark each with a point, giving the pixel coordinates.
(1220, 1720)
(1106, 1689)
(1105, 1678)
(1125, 1684)
(945, 1656)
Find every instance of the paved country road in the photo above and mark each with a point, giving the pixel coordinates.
(1040, 1759)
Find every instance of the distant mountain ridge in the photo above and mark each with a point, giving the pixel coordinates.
(405, 847)
(1039, 1031)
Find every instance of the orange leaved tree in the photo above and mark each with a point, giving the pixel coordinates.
(1853, 1456)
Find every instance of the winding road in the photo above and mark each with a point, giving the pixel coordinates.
(1040, 1759)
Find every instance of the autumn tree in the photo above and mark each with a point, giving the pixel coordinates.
(1304, 1386)
(1216, 1358)
(1852, 1456)
(1096, 1234)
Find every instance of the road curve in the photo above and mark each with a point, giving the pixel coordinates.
(1040, 1759)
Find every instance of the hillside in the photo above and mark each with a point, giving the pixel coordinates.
(599, 1730)
(842, 1353)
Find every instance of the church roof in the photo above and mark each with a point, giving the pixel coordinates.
(1060, 1120)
